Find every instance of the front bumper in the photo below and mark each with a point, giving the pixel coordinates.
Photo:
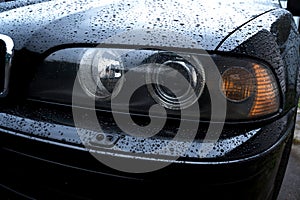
(42, 168)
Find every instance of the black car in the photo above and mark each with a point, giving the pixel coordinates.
(167, 97)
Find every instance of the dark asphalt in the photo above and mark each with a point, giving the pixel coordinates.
(290, 189)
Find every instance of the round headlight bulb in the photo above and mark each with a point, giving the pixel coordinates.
(100, 73)
(180, 94)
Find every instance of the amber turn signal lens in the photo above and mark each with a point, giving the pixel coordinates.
(266, 98)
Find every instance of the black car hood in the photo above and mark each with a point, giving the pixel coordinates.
(13, 4)
(184, 24)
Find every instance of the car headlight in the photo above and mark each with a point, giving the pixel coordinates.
(172, 67)
(6, 54)
(100, 72)
(249, 86)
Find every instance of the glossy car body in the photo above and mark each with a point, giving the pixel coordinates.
(42, 154)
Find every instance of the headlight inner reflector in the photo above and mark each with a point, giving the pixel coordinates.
(238, 84)
(100, 73)
(171, 71)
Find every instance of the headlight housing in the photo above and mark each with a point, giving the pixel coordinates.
(248, 85)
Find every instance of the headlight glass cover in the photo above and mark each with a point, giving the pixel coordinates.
(248, 85)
